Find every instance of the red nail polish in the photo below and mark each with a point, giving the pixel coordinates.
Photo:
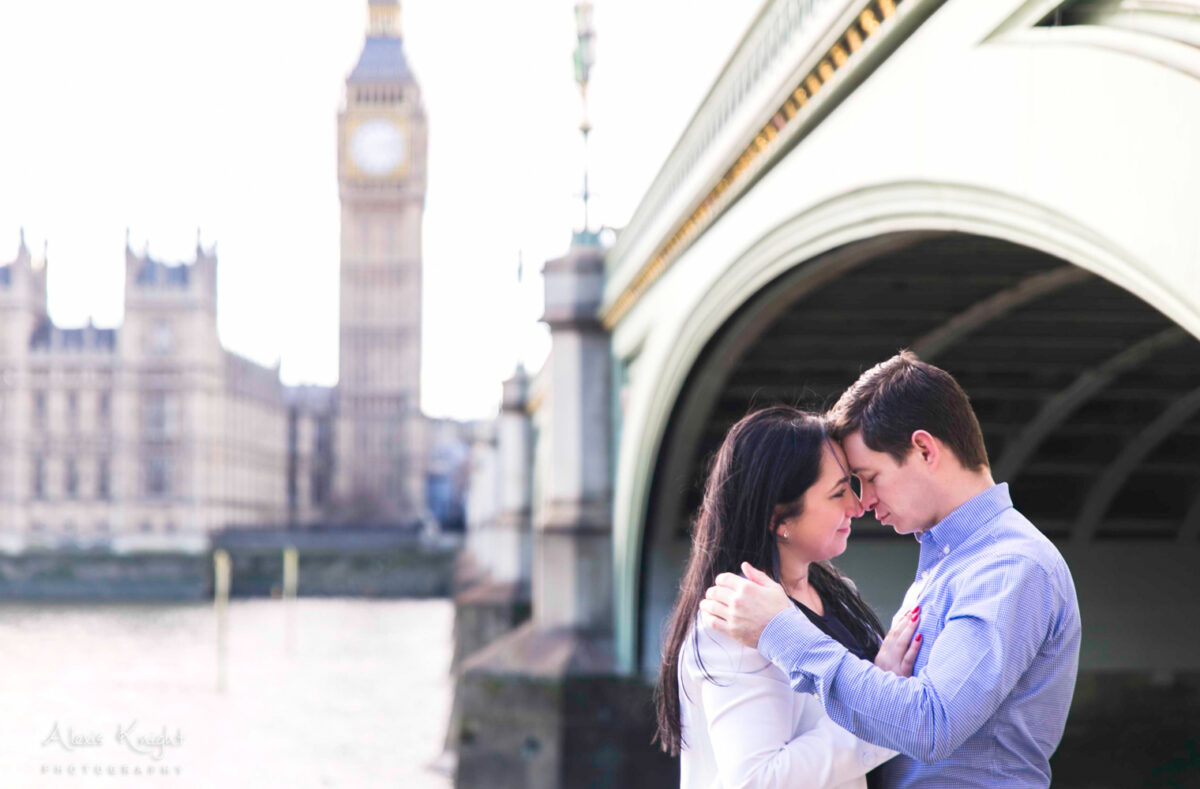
(915, 610)
(918, 636)
(914, 616)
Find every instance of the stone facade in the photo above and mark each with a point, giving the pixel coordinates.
(146, 436)
(151, 435)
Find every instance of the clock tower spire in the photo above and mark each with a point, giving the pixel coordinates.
(385, 18)
(381, 181)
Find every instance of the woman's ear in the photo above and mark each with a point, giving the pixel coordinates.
(779, 522)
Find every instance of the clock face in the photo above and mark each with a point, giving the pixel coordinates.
(377, 147)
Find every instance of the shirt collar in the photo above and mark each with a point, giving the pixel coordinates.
(964, 522)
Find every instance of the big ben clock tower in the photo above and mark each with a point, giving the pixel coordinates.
(381, 180)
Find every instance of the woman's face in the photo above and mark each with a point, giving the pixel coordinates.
(820, 531)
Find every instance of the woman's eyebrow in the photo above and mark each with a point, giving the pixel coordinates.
(842, 481)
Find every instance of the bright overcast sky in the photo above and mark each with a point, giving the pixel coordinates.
(165, 117)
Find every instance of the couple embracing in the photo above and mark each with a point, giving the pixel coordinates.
(776, 673)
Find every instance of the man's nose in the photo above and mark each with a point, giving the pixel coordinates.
(868, 499)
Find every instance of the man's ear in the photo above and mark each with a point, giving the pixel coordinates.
(927, 448)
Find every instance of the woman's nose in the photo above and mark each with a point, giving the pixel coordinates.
(855, 507)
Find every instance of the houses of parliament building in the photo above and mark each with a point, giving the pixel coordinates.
(151, 435)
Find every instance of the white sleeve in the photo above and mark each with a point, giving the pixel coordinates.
(750, 716)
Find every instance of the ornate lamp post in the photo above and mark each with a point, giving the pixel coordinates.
(585, 58)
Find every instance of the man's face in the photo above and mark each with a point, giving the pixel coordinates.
(899, 493)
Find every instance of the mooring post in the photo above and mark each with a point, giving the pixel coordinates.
(291, 583)
(222, 576)
(291, 572)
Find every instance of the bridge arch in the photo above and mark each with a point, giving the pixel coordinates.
(669, 415)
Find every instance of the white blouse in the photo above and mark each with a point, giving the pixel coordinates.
(750, 730)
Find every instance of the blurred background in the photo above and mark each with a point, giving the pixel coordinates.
(361, 360)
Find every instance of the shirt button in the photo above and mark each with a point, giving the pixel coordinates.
(946, 550)
(925, 576)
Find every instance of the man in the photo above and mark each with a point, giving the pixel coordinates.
(989, 695)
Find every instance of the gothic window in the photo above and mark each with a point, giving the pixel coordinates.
(39, 478)
(71, 483)
(293, 457)
(154, 414)
(293, 493)
(103, 407)
(161, 339)
(320, 486)
(158, 476)
(323, 439)
(39, 409)
(102, 480)
(72, 411)
(293, 429)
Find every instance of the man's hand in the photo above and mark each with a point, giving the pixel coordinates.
(899, 649)
(742, 607)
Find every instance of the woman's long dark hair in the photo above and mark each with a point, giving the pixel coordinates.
(756, 481)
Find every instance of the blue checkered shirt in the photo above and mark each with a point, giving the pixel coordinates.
(989, 695)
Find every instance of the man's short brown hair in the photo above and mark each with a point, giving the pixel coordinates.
(895, 398)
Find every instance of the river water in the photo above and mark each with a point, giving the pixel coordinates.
(317, 693)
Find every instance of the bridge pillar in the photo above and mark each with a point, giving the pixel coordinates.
(543, 707)
(573, 578)
(512, 558)
(483, 502)
(494, 597)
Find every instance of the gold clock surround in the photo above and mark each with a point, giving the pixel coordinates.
(356, 173)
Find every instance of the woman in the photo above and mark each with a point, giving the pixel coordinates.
(778, 496)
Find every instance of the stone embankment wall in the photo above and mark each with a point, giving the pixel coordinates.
(327, 568)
